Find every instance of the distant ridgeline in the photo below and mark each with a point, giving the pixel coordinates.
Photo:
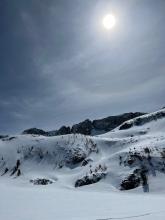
(88, 127)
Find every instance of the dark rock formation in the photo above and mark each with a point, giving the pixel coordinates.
(76, 155)
(84, 127)
(104, 125)
(3, 136)
(63, 130)
(142, 120)
(41, 181)
(87, 180)
(89, 127)
(35, 131)
(111, 122)
(16, 169)
(86, 162)
(131, 182)
(125, 126)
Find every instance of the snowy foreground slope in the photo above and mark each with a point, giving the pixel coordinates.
(118, 175)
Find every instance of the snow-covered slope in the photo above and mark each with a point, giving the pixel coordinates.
(131, 156)
(142, 148)
(84, 172)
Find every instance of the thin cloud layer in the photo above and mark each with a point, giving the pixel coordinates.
(58, 66)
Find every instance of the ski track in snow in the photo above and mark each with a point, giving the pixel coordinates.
(132, 216)
(126, 217)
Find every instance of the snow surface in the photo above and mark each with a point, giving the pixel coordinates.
(59, 159)
(22, 201)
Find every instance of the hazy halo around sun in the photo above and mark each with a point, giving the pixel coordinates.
(109, 21)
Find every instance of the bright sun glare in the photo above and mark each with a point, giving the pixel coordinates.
(109, 21)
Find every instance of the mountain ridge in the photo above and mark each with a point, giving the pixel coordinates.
(123, 159)
(88, 127)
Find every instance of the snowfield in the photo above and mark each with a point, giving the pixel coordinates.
(19, 201)
(117, 175)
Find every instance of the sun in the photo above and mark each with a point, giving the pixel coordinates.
(109, 21)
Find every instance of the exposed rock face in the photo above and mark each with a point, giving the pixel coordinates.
(111, 122)
(87, 180)
(86, 161)
(125, 126)
(41, 181)
(76, 155)
(131, 182)
(84, 127)
(137, 178)
(16, 169)
(93, 176)
(88, 127)
(63, 130)
(35, 131)
(142, 120)
(3, 136)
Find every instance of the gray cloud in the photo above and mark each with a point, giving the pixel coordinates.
(58, 66)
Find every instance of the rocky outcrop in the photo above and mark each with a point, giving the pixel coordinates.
(131, 182)
(84, 127)
(111, 122)
(137, 178)
(3, 136)
(94, 176)
(86, 162)
(41, 181)
(142, 120)
(89, 127)
(87, 180)
(76, 155)
(35, 131)
(62, 131)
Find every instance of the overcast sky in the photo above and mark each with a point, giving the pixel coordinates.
(58, 65)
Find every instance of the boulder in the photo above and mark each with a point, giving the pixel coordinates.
(131, 182)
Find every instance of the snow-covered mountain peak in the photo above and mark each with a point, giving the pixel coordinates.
(142, 120)
(125, 158)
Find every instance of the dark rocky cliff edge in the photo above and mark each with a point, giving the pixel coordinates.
(88, 127)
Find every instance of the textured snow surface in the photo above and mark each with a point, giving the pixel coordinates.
(60, 159)
(19, 201)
